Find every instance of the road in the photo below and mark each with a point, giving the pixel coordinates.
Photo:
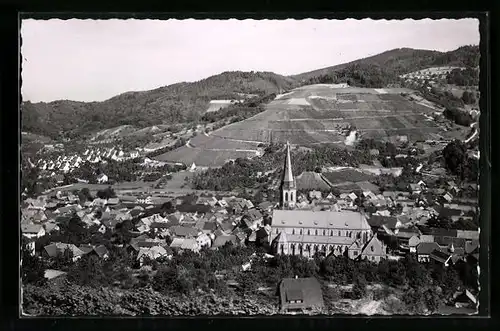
(188, 145)
(473, 126)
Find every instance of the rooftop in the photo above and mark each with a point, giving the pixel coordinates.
(320, 219)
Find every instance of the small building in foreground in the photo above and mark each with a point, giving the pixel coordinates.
(299, 294)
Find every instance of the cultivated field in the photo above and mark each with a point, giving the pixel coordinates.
(315, 114)
(346, 175)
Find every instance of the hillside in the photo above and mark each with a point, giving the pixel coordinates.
(185, 102)
(316, 114)
(395, 62)
(165, 105)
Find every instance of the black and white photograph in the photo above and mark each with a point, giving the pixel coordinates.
(224, 167)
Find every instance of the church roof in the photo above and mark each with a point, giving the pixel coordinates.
(324, 240)
(320, 219)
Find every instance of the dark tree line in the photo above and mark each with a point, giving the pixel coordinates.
(458, 162)
(239, 111)
(242, 173)
(466, 77)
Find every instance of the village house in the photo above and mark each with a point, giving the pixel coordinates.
(185, 244)
(441, 257)
(424, 250)
(300, 294)
(266, 206)
(253, 219)
(54, 249)
(203, 240)
(32, 230)
(221, 240)
(102, 178)
(354, 251)
(179, 231)
(448, 197)
(374, 250)
(152, 253)
(464, 299)
(415, 188)
(313, 195)
(415, 240)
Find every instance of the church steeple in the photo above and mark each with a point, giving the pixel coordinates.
(288, 187)
(288, 175)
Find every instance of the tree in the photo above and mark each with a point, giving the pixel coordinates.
(359, 287)
(107, 193)
(414, 300)
(432, 300)
(415, 271)
(32, 267)
(468, 98)
(456, 159)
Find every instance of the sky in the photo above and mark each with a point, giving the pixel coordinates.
(94, 60)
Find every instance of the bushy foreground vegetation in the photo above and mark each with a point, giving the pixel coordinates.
(170, 286)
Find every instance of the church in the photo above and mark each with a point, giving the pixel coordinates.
(306, 232)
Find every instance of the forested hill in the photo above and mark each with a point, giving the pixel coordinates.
(184, 102)
(389, 65)
(170, 104)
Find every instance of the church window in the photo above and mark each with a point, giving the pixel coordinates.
(308, 232)
(286, 196)
(300, 231)
(316, 232)
(291, 196)
(293, 231)
(324, 231)
(331, 233)
(340, 233)
(372, 248)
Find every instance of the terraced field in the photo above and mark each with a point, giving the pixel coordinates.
(310, 115)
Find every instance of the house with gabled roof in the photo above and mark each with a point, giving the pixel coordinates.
(468, 235)
(376, 221)
(50, 227)
(223, 239)
(300, 294)
(32, 230)
(153, 253)
(424, 250)
(374, 250)
(183, 231)
(265, 206)
(354, 251)
(389, 195)
(448, 197)
(56, 248)
(209, 227)
(441, 257)
(465, 299)
(203, 240)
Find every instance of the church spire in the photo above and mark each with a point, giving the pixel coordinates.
(288, 187)
(288, 175)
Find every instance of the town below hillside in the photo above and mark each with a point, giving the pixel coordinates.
(346, 191)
